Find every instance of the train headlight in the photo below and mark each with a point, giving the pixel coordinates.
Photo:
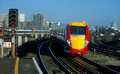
(69, 42)
(86, 43)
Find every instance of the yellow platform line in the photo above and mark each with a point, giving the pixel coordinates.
(16, 66)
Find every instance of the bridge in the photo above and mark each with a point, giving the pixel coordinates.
(21, 36)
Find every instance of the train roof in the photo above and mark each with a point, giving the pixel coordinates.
(77, 24)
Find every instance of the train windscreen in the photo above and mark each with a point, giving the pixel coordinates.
(77, 30)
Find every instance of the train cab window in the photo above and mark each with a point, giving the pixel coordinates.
(77, 30)
(81, 30)
(73, 30)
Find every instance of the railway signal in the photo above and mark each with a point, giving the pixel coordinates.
(13, 24)
(13, 18)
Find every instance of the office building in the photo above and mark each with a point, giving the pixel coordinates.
(39, 21)
(114, 25)
(4, 19)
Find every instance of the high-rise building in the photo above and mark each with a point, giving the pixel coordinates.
(47, 25)
(21, 17)
(114, 25)
(43, 25)
(39, 21)
(4, 19)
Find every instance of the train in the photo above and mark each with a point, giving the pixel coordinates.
(77, 38)
(7, 32)
(29, 31)
(3, 32)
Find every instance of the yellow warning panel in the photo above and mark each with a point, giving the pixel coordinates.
(9, 45)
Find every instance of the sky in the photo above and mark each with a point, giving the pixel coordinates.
(94, 12)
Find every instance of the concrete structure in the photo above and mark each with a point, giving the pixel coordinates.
(19, 40)
(26, 25)
(19, 66)
(36, 36)
(1, 48)
(21, 18)
(4, 19)
(26, 39)
(39, 21)
(43, 25)
(114, 25)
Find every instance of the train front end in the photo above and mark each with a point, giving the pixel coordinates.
(77, 38)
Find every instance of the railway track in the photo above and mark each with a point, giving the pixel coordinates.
(110, 57)
(75, 66)
(48, 65)
(83, 65)
(95, 66)
(97, 42)
(65, 64)
(101, 49)
(52, 61)
(72, 67)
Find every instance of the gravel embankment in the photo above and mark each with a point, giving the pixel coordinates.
(103, 59)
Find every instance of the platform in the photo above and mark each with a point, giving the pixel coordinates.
(19, 66)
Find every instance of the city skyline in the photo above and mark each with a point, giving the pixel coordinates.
(95, 13)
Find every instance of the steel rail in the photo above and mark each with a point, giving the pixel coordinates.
(104, 69)
(89, 70)
(105, 50)
(56, 59)
(71, 69)
(43, 66)
(105, 45)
